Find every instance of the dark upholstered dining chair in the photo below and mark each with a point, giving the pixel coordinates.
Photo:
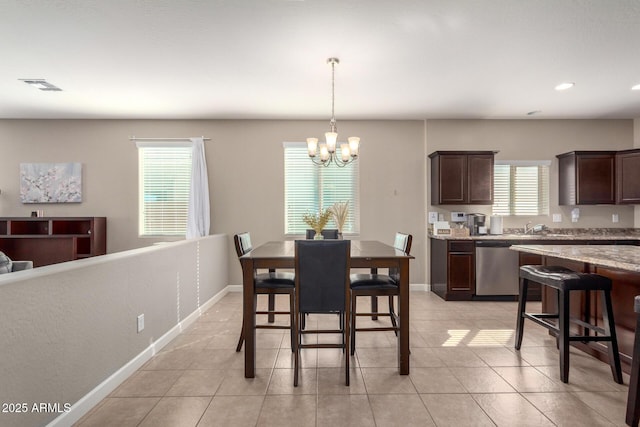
(271, 283)
(375, 285)
(328, 233)
(322, 286)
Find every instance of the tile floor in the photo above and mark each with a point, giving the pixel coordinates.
(464, 372)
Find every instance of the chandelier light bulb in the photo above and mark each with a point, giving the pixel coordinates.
(312, 146)
(332, 139)
(354, 144)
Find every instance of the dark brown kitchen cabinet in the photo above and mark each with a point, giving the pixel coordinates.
(453, 274)
(587, 178)
(628, 177)
(462, 177)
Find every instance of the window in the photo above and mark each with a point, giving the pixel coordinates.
(310, 188)
(164, 179)
(521, 188)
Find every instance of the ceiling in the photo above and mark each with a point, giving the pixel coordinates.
(266, 59)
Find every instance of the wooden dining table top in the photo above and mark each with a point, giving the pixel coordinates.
(361, 250)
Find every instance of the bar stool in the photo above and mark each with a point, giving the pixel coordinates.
(564, 281)
(633, 399)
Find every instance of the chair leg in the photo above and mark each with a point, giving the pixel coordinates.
(563, 320)
(374, 308)
(345, 340)
(271, 308)
(522, 304)
(241, 340)
(296, 361)
(610, 328)
(292, 319)
(392, 312)
(354, 298)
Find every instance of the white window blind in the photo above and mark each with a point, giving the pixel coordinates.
(309, 188)
(521, 188)
(164, 179)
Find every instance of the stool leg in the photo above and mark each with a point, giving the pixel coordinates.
(563, 326)
(522, 303)
(610, 328)
(633, 399)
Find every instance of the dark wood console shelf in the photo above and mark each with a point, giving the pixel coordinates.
(51, 240)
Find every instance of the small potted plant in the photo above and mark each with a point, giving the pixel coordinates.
(340, 212)
(317, 222)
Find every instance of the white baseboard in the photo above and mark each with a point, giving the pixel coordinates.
(102, 390)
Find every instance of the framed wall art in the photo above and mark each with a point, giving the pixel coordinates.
(50, 182)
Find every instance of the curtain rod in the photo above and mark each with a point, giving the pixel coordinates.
(133, 138)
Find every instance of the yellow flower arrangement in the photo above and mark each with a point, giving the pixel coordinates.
(319, 221)
(340, 212)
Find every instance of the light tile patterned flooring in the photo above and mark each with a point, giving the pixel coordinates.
(464, 372)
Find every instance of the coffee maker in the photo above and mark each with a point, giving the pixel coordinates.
(476, 224)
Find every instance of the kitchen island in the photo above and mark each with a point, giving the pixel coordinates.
(620, 263)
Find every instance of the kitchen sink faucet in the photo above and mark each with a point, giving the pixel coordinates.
(528, 228)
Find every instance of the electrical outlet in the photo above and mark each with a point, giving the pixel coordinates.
(140, 323)
(557, 217)
(615, 218)
(433, 217)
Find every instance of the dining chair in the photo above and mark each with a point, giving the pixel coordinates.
(375, 285)
(328, 233)
(271, 284)
(322, 286)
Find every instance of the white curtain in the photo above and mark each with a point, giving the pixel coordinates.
(198, 218)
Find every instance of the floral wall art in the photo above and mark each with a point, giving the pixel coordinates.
(51, 182)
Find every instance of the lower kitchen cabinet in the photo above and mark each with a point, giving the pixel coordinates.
(453, 269)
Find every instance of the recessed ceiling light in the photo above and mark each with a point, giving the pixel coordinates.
(636, 87)
(41, 84)
(565, 86)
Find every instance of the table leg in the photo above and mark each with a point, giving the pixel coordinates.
(403, 307)
(248, 310)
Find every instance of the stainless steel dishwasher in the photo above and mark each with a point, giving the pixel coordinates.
(497, 271)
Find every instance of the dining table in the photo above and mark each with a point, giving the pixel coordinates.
(364, 254)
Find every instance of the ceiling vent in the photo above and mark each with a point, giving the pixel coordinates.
(41, 84)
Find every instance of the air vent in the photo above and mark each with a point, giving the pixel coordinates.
(41, 84)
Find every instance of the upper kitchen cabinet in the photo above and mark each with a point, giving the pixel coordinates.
(462, 177)
(587, 178)
(628, 177)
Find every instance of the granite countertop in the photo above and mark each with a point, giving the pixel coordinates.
(554, 234)
(622, 257)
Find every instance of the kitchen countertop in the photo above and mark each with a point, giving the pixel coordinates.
(558, 234)
(614, 256)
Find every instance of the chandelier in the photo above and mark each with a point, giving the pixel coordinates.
(325, 153)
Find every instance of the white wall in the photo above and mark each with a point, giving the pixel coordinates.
(66, 328)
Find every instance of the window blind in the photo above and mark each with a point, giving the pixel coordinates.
(310, 188)
(521, 188)
(165, 177)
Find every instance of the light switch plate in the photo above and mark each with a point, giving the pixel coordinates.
(557, 217)
(615, 218)
(433, 217)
